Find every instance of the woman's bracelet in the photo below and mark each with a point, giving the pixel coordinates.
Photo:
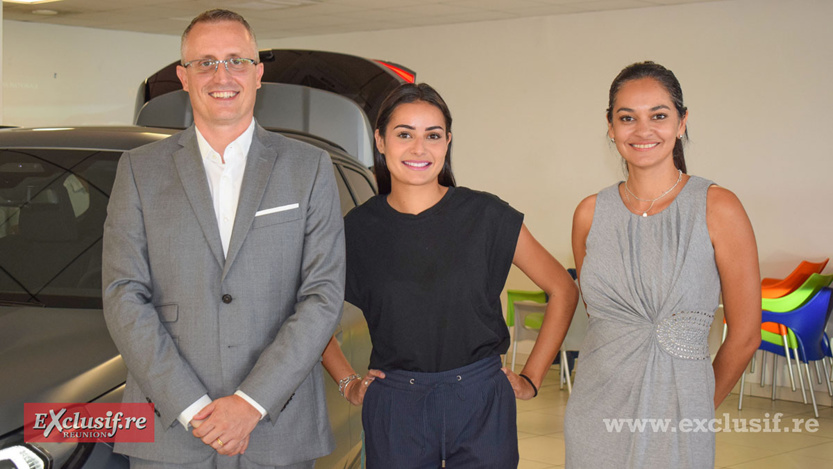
(342, 383)
(530, 383)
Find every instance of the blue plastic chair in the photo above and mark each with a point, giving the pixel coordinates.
(806, 326)
(774, 333)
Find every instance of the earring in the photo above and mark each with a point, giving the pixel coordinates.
(679, 137)
(612, 139)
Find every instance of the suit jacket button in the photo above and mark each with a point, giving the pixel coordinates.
(227, 298)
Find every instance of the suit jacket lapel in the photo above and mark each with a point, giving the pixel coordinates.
(191, 171)
(259, 164)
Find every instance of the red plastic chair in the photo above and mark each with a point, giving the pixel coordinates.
(776, 288)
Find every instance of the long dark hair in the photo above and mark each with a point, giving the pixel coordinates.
(404, 94)
(664, 77)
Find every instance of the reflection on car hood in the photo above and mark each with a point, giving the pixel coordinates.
(53, 355)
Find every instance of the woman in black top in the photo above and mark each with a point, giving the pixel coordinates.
(426, 264)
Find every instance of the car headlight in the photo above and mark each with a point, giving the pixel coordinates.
(24, 456)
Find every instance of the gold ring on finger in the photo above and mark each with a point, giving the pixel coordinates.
(219, 442)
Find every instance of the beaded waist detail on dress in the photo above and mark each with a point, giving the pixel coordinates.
(686, 334)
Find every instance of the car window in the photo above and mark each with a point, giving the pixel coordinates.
(361, 185)
(52, 209)
(347, 203)
(53, 204)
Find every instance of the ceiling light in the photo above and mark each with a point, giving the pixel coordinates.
(274, 4)
(44, 12)
(291, 3)
(29, 2)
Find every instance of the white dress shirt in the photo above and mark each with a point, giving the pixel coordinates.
(225, 177)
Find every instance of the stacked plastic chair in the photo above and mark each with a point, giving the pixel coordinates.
(806, 327)
(798, 299)
(772, 289)
(776, 288)
(776, 334)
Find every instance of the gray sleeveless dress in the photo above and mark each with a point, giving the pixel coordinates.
(651, 287)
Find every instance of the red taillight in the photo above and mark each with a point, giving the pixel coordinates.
(406, 75)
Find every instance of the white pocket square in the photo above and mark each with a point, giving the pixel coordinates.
(282, 208)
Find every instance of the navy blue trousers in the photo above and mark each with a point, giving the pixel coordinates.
(462, 418)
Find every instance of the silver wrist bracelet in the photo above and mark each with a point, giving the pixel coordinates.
(342, 383)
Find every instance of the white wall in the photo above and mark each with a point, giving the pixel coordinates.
(62, 75)
(528, 98)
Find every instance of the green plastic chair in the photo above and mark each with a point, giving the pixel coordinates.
(796, 299)
(524, 295)
(532, 321)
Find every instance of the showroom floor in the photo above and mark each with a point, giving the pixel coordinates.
(541, 433)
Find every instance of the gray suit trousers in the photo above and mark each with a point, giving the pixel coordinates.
(217, 462)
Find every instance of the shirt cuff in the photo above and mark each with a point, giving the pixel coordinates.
(188, 414)
(252, 402)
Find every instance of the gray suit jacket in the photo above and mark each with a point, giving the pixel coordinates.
(189, 322)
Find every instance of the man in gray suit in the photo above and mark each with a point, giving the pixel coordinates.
(223, 273)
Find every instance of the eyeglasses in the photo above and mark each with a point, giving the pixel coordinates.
(233, 65)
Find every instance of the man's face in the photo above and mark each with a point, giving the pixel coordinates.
(220, 99)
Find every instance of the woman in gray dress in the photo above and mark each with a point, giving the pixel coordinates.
(654, 253)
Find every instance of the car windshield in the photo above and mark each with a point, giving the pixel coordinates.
(53, 203)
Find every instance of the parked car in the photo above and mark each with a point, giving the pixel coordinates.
(54, 188)
(54, 345)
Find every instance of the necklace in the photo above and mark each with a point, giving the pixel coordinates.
(645, 213)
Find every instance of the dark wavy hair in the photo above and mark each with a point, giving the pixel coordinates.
(664, 77)
(404, 94)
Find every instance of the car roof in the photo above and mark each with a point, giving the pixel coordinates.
(128, 137)
(328, 94)
(114, 138)
(364, 81)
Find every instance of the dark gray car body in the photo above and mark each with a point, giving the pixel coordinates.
(54, 345)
